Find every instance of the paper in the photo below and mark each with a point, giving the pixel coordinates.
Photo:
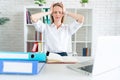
(17, 67)
(53, 57)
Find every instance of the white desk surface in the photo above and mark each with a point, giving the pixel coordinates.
(50, 72)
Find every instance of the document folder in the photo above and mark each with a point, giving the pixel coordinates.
(20, 67)
(23, 56)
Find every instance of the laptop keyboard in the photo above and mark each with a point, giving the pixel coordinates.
(87, 68)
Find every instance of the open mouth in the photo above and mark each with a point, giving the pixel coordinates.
(57, 17)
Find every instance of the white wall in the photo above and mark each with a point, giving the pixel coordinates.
(105, 20)
(11, 34)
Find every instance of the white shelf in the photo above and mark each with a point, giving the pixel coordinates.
(45, 6)
(36, 7)
(81, 39)
(86, 25)
(29, 25)
(34, 41)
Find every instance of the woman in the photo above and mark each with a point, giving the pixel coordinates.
(57, 34)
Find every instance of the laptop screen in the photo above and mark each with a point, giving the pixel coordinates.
(107, 54)
(106, 58)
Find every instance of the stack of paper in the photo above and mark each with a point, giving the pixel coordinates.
(56, 58)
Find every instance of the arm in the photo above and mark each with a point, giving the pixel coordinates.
(73, 27)
(37, 16)
(79, 18)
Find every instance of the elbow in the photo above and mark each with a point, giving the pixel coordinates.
(81, 19)
(33, 19)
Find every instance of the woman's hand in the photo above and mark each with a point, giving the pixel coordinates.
(64, 10)
(51, 8)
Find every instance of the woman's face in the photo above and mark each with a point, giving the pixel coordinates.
(57, 13)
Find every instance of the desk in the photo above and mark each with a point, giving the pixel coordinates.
(51, 72)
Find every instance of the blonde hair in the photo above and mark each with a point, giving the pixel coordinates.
(60, 5)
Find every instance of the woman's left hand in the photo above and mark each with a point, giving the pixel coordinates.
(64, 9)
(51, 8)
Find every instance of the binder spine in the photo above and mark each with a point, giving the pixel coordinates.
(1, 66)
(23, 56)
(38, 56)
(34, 69)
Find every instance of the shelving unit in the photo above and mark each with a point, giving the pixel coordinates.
(81, 39)
(31, 36)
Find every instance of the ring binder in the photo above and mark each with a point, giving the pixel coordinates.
(23, 56)
(20, 67)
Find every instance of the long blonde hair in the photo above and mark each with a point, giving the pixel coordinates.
(60, 5)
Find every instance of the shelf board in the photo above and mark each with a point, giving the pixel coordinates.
(29, 24)
(80, 8)
(83, 25)
(81, 41)
(45, 6)
(36, 7)
(34, 41)
(87, 25)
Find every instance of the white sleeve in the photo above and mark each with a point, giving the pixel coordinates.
(73, 27)
(39, 26)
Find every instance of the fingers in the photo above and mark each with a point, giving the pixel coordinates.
(64, 9)
(51, 8)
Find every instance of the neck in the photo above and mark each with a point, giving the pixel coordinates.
(58, 24)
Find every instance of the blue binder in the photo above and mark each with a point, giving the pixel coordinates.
(23, 56)
(20, 67)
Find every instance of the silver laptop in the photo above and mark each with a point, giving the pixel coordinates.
(106, 58)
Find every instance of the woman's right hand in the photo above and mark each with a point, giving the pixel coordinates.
(51, 8)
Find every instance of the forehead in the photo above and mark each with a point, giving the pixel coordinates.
(57, 8)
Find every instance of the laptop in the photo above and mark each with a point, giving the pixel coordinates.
(106, 58)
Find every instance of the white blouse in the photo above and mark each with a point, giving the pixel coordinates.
(57, 40)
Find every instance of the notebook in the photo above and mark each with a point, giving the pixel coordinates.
(106, 58)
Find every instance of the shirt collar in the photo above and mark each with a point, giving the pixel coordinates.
(53, 25)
